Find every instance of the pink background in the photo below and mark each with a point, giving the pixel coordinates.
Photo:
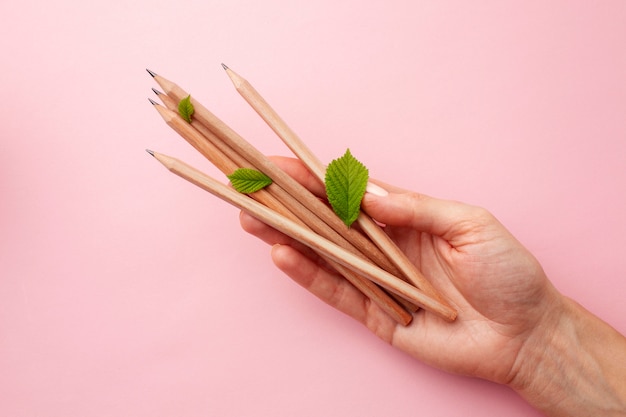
(124, 291)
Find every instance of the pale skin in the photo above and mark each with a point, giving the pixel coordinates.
(558, 356)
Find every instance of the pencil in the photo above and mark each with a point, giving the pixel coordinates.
(299, 148)
(306, 237)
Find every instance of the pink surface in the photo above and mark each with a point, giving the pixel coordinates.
(126, 291)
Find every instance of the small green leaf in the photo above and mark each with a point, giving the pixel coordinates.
(346, 179)
(248, 181)
(185, 108)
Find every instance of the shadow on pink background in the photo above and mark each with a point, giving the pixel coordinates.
(126, 291)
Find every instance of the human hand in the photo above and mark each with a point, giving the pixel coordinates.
(513, 327)
(499, 289)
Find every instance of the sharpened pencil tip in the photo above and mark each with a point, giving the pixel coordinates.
(154, 103)
(157, 92)
(153, 74)
(224, 66)
(150, 152)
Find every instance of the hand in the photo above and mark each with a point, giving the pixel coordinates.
(498, 288)
(513, 327)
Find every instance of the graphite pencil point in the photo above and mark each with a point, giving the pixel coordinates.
(224, 66)
(150, 152)
(157, 92)
(154, 103)
(153, 74)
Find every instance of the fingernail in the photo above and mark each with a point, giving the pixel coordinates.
(376, 190)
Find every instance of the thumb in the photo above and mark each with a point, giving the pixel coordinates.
(417, 211)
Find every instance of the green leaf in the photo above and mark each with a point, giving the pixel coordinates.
(248, 181)
(346, 179)
(185, 108)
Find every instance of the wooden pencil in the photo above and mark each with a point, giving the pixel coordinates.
(306, 237)
(294, 212)
(299, 148)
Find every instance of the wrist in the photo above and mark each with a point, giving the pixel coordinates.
(573, 364)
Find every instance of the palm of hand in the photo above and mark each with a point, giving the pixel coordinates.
(498, 288)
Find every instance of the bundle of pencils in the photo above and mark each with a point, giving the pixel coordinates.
(365, 256)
